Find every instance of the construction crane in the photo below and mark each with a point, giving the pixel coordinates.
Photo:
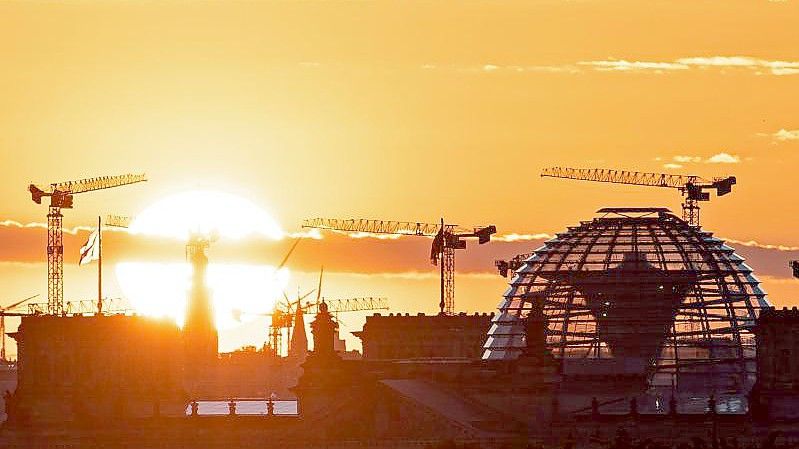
(284, 314)
(446, 239)
(349, 305)
(61, 197)
(693, 188)
(297, 309)
(3, 310)
(282, 317)
(506, 266)
(86, 306)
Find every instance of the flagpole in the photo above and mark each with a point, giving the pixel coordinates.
(100, 266)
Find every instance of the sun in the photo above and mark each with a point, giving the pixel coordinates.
(206, 211)
(239, 291)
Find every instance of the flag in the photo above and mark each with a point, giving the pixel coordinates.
(91, 250)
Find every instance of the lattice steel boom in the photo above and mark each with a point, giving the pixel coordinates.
(350, 305)
(693, 188)
(446, 239)
(118, 221)
(61, 197)
(87, 306)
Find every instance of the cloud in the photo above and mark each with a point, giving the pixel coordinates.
(756, 244)
(34, 225)
(720, 61)
(757, 65)
(495, 68)
(622, 65)
(522, 237)
(723, 158)
(305, 234)
(417, 275)
(404, 258)
(784, 135)
(720, 158)
(775, 67)
(546, 69)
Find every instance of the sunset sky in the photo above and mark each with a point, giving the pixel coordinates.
(394, 110)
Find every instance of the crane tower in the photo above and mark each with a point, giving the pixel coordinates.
(61, 196)
(446, 239)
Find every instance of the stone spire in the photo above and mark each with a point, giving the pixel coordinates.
(298, 349)
(199, 330)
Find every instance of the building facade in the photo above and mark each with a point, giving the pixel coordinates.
(95, 366)
(420, 336)
(776, 391)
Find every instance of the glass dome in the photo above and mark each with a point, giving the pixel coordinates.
(637, 292)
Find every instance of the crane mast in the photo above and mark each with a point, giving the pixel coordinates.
(61, 197)
(693, 188)
(446, 239)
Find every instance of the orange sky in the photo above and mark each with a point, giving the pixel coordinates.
(401, 111)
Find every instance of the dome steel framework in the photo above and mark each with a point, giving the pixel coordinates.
(638, 291)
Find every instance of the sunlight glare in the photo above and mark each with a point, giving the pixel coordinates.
(205, 211)
(161, 289)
